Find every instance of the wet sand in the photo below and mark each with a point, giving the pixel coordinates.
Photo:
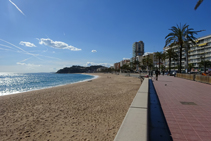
(86, 111)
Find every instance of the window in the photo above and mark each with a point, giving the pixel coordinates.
(201, 41)
(205, 40)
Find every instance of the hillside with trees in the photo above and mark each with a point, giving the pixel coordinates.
(79, 69)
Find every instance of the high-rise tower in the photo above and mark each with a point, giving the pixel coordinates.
(138, 48)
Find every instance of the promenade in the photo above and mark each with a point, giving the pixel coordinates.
(187, 107)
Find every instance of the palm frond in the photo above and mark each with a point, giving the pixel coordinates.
(198, 4)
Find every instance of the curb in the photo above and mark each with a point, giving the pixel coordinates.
(135, 124)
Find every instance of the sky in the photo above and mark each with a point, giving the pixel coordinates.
(48, 35)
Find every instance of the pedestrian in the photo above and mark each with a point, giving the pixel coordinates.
(156, 73)
(163, 72)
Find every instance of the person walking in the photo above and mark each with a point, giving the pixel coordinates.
(156, 73)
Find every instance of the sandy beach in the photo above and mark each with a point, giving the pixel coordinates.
(86, 111)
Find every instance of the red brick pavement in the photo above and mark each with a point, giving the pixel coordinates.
(186, 122)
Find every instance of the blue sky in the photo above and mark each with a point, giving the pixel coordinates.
(47, 35)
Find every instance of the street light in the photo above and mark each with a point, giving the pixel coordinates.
(137, 64)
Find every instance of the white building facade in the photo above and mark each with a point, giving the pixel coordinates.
(196, 53)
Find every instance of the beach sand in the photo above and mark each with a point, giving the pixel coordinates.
(86, 111)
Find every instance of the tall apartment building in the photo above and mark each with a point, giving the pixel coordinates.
(138, 48)
(196, 53)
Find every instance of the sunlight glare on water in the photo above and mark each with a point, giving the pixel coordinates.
(11, 83)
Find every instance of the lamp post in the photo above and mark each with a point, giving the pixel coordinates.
(186, 50)
(204, 61)
(137, 63)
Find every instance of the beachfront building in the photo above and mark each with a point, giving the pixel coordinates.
(117, 66)
(138, 51)
(151, 57)
(125, 62)
(175, 61)
(138, 48)
(112, 67)
(196, 53)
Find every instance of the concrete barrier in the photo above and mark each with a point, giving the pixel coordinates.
(135, 124)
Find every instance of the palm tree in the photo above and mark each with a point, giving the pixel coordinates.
(164, 58)
(125, 67)
(180, 35)
(170, 54)
(163, 67)
(135, 63)
(143, 67)
(158, 56)
(190, 66)
(147, 62)
(151, 66)
(198, 3)
(205, 63)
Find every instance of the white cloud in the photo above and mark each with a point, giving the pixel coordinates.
(57, 44)
(28, 65)
(103, 64)
(27, 44)
(147, 53)
(94, 51)
(126, 58)
(16, 7)
(20, 49)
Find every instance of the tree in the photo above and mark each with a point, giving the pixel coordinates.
(198, 4)
(190, 66)
(135, 63)
(170, 54)
(178, 67)
(143, 67)
(180, 35)
(125, 67)
(158, 56)
(151, 66)
(147, 61)
(163, 67)
(205, 63)
(164, 58)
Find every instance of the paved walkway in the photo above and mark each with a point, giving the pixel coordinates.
(187, 107)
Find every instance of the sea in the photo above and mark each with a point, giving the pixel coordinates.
(13, 83)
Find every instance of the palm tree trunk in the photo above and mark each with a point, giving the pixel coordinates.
(180, 60)
(186, 51)
(205, 67)
(159, 64)
(169, 64)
